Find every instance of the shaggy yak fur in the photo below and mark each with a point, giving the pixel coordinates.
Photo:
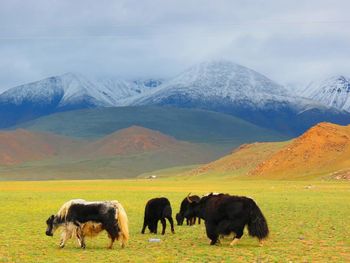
(157, 209)
(225, 214)
(81, 218)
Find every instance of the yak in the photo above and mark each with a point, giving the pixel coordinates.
(185, 212)
(225, 214)
(157, 209)
(81, 218)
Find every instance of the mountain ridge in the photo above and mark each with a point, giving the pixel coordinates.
(333, 91)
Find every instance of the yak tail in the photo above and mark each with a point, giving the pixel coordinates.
(122, 220)
(257, 225)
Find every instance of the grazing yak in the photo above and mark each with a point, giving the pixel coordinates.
(225, 214)
(187, 213)
(81, 218)
(157, 209)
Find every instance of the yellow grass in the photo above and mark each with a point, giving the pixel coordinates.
(309, 222)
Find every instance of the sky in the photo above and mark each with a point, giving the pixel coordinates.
(290, 41)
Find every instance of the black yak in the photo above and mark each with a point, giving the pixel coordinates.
(185, 212)
(157, 209)
(225, 214)
(82, 218)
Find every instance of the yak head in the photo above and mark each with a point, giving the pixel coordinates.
(193, 208)
(179, 219)
(52, 223)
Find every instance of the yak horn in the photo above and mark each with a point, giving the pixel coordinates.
(188, 198)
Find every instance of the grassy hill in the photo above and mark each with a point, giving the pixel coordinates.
(29, 155)
(184, 124)
(21, 145)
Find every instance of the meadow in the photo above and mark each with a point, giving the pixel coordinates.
(308, 221)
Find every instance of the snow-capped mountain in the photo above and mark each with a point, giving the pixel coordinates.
(224, 82)
(60, 93)
(224, 86)
(67, 89)
(334, 92)
(216, 85)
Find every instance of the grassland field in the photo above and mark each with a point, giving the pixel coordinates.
(308, 221)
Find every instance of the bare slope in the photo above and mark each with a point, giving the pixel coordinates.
(322, 150)
(21, 145)
(240, 161)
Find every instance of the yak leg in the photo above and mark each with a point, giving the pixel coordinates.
(239, 234)
(110, 246)
(64, 237)
(199, 220)
(211, 233)
(187, 221)
(144, 227)
(66, 234)
(112, 234)
(170, 219)
(193, 221)
(81, 238)
(155, 227)
(162, 220)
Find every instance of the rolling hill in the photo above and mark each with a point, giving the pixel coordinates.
(321, 152)
(28, 155)
(240, 161)
(192, 125)
(20, 146)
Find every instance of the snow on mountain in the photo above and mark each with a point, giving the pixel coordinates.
(333, 92)
(146, 84)
(71, 89)
(64, 90)
(216, 85)
(60, 93)
(225, 81)
(226, 87)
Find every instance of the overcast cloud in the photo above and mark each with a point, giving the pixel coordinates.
(288, 41)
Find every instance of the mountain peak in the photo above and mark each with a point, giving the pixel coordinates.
(215, 79)
(333, 91)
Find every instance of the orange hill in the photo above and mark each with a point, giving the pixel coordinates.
(131, 140)
(241, 160)
(321, 151)
(20, 145)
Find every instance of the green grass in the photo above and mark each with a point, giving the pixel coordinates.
(308, 222)
(184, 124)
(122, 166)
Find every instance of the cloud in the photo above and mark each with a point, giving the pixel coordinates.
(289, 41)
